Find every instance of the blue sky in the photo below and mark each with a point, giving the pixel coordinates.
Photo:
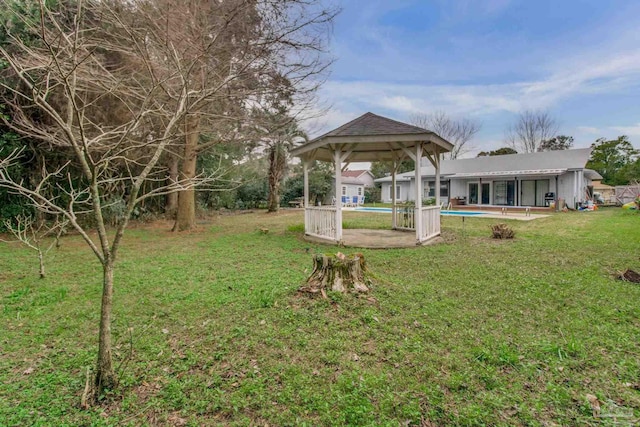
(488, 61)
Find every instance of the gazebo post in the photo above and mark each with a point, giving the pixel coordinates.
(394, 220)
(436, 156)
(337, 157)
(305, 174)
(417, 218)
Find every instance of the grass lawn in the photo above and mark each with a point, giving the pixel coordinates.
(210, 330)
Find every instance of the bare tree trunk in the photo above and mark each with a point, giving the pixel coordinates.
(105, 375)
(277, 163)
(186, 213)
(273, 203)
(41, 260)
(171, 202)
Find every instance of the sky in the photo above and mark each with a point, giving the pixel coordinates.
(488, 61)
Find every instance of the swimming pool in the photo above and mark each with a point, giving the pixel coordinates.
(444, 212)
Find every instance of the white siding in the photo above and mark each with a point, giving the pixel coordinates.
(405, 189)
(566, 187)
(352, 190)
(458, 188)
(367, 179)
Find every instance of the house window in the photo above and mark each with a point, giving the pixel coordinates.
(359, 191)
(344, 190)
(444, 189)
(432, 189)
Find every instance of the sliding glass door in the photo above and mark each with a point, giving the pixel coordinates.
(486, 193)
(504, 193)
(473, 193)
(532, 191)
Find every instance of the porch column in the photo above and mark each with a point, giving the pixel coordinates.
(437, 159)
(575, 189)
(305, 174)
(394, 167)
(338, 168)
(480, 191)
(417, 217)
(582, 196)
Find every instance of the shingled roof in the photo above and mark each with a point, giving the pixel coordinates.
(372, 124)
(371, 138)
(354, 173)
(539, 163)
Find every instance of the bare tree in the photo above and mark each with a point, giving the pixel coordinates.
(530, 130)
(457, 132)
(32, 234)
(108, 95)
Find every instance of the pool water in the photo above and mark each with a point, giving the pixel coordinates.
(444, 212)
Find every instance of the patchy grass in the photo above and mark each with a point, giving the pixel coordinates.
(209, 329)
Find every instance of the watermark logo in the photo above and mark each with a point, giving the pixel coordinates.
(616, 415)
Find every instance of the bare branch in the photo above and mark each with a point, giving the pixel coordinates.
(530, 130)
(457, 132)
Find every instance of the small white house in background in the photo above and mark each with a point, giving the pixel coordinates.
(354, 183)
(531, 179)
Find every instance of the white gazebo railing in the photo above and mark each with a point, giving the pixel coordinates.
(320, 221)
(430, 222)
(404, 217)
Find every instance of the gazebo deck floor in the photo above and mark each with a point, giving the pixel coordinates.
(376, 239)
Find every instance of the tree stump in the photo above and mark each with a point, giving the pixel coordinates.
(630, 276)
(339, 273)
(502, 231)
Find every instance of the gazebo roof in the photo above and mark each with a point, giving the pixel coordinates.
(372, 138)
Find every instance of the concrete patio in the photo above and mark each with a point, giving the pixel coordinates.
(376, 239)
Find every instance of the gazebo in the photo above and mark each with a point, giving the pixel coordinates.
(371, 138)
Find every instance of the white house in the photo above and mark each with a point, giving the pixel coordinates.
(531, 179)
(354, 183)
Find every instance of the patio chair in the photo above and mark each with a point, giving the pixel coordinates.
(361, 201)
(345, 200)
(354, 201)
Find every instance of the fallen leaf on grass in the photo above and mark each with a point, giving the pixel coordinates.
(595, 404)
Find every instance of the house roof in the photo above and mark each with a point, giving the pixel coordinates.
(371, 138)
(543, 163)
(354, 177)
(354, 174)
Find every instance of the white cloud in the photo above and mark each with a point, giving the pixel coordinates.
(628, 130)
(611, 74)
(589, 130)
